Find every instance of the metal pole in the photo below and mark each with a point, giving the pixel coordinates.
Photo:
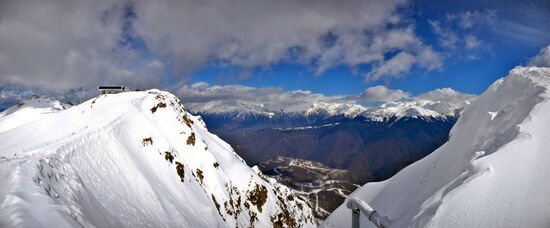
(355, 218)
(358, 206)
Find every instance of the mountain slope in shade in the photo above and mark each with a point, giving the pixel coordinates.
(324, 188)
(493, 172)
(372, 150)
(135, 159)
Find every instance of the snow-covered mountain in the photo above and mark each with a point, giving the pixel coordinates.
(134, 159)
(423, 106)
(29, 111)
(440, 103)
(493, 171)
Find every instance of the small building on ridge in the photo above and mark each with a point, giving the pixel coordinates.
(111, 89)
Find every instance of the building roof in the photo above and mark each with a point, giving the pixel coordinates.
(110, 87)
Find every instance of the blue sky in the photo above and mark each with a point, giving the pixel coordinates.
(500, 54)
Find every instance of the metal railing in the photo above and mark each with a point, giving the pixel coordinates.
(356, 205)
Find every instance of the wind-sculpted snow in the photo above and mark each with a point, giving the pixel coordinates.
(493, 171)
(135, 159)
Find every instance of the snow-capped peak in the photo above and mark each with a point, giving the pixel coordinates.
(493, 171)
(439, 103)
(134, 159)
(400, 110)
(333, 109)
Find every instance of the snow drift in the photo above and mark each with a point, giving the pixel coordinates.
(135, 159)
(493, 171)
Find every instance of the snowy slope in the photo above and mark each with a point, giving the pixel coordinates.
(493, 172)
(30, 110)
(135, 159)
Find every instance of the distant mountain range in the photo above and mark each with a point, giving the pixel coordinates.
(372, 149)
(440, 103)
(367, 143)
(372, 141)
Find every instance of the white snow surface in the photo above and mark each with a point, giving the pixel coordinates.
(28, 111)
(439, 103)
(493, 172)
(91, 165)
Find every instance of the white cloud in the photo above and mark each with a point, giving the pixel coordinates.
(429, 59)
(446, 95)
(238, 98)
(445, 100)
(471, 42)
(458, 33)
(248, 34)
(202, 97)
(382, 93)
(469, 19)
(206, 98)
(447, 38)
(542, 59)
(57, 44)
(393, 68)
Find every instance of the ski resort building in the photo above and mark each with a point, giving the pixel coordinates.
(111, 89)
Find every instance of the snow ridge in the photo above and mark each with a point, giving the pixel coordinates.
(134, 159)
(29, 111)
(491, 173)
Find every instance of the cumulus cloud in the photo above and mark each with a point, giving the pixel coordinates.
(445, 100)
(248, 34)
(238, 99)
(446, 95)
(206, 98)
(394, 67)
(429, 59)
(399, 65)
(59, 45)
(202, 97)
(542, 59)
(382, 93)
